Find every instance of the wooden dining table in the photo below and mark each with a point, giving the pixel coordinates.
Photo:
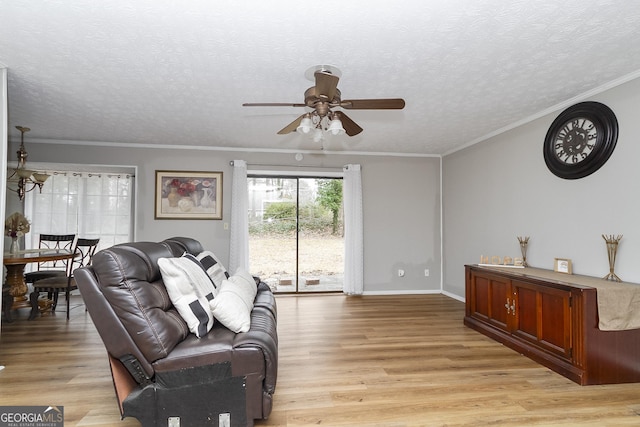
(15, 296)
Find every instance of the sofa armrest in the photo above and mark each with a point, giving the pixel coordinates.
(264, 335)
(266, 299)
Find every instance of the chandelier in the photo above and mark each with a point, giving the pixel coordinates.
(27, 178)
(315, 124)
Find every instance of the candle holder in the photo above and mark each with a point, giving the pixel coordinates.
(524, 241)
(612, 249)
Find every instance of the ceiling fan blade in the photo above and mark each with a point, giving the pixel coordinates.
(350, 127)
(326, 84)
(373, 104)
(271, 104)
(291, 127)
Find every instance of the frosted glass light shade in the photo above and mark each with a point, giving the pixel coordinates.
(24, 173)
(40, 177)
(335, 127)
(305, 125)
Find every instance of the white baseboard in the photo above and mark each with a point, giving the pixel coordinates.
(405, 292)
(416, 292)
(454, 296)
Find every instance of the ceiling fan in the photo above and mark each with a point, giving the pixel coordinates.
(321, 99)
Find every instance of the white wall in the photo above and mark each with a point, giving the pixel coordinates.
(401, 197)
(401, 204)
(501, 188)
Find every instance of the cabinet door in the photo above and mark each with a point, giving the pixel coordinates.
(543, 317)
(488, 300)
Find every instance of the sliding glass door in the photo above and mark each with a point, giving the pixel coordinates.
(296, 240)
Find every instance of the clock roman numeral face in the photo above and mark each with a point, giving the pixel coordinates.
(575, 140)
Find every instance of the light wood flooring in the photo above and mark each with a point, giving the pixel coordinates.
(344, 361)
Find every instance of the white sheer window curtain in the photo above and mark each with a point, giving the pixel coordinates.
(90, 205)
(239, 243)
(354, 231)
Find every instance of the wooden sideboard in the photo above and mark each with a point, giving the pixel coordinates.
(553, 319)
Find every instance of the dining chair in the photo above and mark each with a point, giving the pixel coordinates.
(83, 250)
(51, 268)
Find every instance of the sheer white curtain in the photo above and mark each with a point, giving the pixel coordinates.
(90, 205)
(354, 231)
(239, 243)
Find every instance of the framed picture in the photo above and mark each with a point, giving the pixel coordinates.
(188, 195)
(562, 265)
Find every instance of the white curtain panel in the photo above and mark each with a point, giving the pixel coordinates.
(354, 232)
(88, 204)
(239, 243)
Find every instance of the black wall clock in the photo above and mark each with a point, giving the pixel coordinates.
(580, 140)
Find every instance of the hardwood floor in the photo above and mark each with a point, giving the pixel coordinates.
(358, 361)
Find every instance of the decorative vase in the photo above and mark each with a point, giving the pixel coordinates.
(185, 204)
(207, 198)
(15, 245)
(195, 196)
(173, 197)
(612, 248)
(524, 241)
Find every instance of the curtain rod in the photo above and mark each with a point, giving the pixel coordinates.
(91, 174)
(291, 166)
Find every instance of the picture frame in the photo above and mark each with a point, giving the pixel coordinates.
(562, 265)
(188, 195)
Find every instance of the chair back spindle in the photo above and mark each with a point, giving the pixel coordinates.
(55, 242)
(83, 250)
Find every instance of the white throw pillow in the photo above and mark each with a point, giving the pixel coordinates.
(190, 290)
(213, 267)
(200, 279)
(233, 304)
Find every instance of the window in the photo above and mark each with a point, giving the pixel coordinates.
(89, 204)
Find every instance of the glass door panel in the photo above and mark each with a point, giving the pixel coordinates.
(296, 239)
(273, 231)
(320, 237)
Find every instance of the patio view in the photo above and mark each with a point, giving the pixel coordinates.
(296, 239)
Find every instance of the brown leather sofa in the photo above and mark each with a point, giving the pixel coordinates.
(163, 375)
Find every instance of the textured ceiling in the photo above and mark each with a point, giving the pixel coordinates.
(167, 72)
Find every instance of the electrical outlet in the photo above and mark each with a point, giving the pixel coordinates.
(224, 420)
(426, 272)
(173, 422)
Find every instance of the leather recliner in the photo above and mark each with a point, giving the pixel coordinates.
(162, 374)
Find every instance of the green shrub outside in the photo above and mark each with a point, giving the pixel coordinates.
(280, 219)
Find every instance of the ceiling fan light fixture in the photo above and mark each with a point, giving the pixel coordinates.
(335, 126)
(321, 98)
(305, 125)
(317, 135)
